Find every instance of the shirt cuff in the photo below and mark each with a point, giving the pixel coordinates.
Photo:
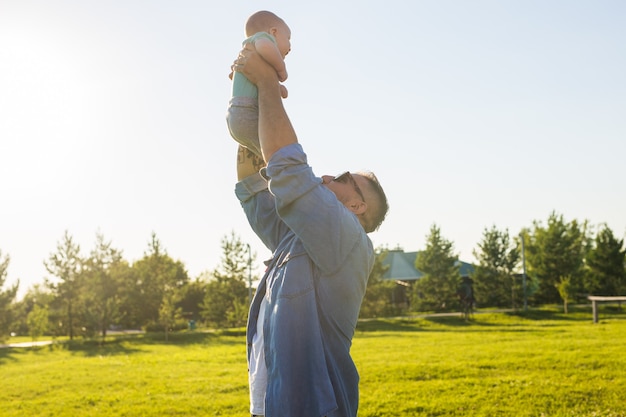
(249, 186)
(286, 157)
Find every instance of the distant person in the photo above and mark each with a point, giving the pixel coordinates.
(466, 296)
(304, 313)
(270, 36)
(466, 289)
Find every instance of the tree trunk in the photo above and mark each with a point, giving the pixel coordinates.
(70, 319)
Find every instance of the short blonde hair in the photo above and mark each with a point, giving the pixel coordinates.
(373, 219)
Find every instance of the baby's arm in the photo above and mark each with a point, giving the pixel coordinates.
(269, 51)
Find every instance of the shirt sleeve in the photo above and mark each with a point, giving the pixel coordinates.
(327, 229)
(260, 209)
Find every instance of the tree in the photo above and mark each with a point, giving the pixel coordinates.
(555, 252)
(226, 300)
(130, 310)
(66, 265)
(606, 264)
(36, 295)
(436, 290)
(155, 274)
(494, 279)
(100, 294)
(564, 287)
(379, 296)
(6, 298)
(37, 321)
(191, 298)
(168, 312)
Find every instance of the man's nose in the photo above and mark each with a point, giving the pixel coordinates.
(327, 179)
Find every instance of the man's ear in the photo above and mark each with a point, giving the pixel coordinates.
(357, 206)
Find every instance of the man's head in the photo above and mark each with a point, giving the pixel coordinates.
(265, 21)
(362, 194)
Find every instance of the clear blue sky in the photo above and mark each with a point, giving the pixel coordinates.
(472, 114)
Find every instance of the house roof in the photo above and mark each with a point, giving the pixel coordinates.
(402, 266)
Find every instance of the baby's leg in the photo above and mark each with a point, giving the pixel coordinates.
(243, 122)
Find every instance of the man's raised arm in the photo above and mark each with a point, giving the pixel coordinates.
(248, 163)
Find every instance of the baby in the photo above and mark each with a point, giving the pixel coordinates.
(271, 36)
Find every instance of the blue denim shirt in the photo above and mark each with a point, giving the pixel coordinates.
(315, 282)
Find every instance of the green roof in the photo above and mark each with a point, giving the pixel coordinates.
(402, 266)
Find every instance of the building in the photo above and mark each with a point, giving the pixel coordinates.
(402, 267)
(402, 270)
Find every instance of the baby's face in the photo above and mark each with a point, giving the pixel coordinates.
(283, 38)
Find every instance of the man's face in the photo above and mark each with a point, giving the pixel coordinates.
(346, 187)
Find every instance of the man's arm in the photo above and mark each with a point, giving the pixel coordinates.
(275, 129)
(248, 163)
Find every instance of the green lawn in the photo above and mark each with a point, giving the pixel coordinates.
(541, 363)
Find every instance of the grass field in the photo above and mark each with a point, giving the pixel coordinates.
(541, 363)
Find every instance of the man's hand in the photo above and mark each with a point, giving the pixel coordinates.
(254, 67)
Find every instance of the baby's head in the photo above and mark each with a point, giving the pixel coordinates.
(265, 21)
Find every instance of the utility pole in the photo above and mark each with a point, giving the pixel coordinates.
(249, 274)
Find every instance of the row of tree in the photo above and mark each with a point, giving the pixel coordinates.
(548, 263)
(90, 294)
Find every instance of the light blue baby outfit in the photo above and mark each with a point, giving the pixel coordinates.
(243, 110)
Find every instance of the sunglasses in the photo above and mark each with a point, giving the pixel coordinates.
(347, 177)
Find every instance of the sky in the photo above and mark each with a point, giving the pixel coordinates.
(472, 114)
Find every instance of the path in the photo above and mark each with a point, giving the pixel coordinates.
(27, 344)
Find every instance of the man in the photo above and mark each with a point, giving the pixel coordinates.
(305, 310)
